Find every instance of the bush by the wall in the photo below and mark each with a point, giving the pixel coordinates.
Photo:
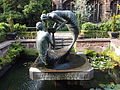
(20, 28)
(99, 61)
(89, 26)
(112, 54)
(4, 27)
(27, 35)
(105, 26)
(96, 34)
(109, 25)
(91, 30)
(13, 52)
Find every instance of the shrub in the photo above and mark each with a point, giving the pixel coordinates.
(91, 30)
(13, 52)
(89, 26)
(111, 25)
(112, 54)
(105, 26)
(2, 30)
(99, 61)
(27, 35)
(4, 27)
(19, 28)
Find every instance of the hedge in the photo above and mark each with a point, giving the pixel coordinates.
(95, 34)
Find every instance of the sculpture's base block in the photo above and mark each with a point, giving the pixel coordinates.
(82, 72)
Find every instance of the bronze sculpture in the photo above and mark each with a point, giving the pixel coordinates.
(64, 17)
(50, 57)
(59, 64)
(43, 40)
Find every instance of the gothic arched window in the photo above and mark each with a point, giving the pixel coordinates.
(114, 7)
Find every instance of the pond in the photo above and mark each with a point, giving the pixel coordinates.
(17, 78)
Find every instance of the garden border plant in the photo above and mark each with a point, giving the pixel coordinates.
(4, 27)
(101, 30)
(111, 54)
(16, 50)
(99, 60)
(91, 30)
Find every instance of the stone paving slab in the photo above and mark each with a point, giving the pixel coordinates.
(6, 43)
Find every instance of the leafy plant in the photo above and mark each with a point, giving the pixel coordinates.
(4, 27)
(13, 52)
(90, 53)
(108, 52)
(99, 61)
(19, 28)
(106, 26)
(110, 86)
(89, 26)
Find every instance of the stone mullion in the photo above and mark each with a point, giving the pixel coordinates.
(98, 11)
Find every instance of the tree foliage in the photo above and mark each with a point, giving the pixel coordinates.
(23, 11)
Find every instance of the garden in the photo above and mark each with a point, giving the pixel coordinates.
(15, 18)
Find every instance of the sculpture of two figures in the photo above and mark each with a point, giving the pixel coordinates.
(48, 57)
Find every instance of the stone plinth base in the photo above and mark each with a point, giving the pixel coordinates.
(84, 72)
(36, 74)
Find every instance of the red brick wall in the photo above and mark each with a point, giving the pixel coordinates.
(92, 44)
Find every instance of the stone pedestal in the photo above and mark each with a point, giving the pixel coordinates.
(84, 72)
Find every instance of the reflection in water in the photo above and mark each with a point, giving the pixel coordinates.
(17, 78)
(32, 85)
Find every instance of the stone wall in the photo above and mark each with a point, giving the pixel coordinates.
(92, 44)
(28, 43)
(115, 46)
(4, 47)
(81, 44)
